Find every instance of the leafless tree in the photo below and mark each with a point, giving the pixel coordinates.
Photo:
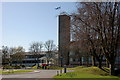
(100, 23)
(36, 48)
(17, 54)
(5, 55)
(50, 47)
(12, 50)
(12, 54)
(18, 57)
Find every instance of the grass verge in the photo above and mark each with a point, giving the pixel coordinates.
(48, 67)
(17, 71)
(87, 72)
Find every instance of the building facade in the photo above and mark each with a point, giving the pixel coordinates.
(64, 39)
(67, 56)
(31, 59)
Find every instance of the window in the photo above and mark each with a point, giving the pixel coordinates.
(71, 59)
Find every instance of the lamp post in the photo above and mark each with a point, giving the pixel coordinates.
(61, 58)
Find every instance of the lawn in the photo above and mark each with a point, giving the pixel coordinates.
(16, 71)
(88, 73)
(48, 67)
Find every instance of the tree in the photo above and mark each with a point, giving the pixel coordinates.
(36, 48)
(11, 52)
(50, 47)
(5, 55)
(19, 49)
(18, 57)
(102, 22)
(17, 54)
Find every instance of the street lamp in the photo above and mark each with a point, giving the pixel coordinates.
(61, 58)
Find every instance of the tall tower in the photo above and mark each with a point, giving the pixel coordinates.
(64, 39)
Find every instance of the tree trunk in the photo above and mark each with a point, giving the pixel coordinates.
(107, 63)
(100, 64)
(93, 61)
(99, 59)
(37, 62)
(87, 61)
(112, 71)
(47, 61)
(80, 62)
(21, 62)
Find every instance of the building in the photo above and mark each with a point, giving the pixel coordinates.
(30, 59)
(68, 56)
(64, 39)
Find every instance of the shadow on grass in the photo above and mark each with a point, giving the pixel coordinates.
(105, 69)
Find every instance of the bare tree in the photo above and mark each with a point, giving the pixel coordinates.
(36, 48)
(17, 54)
(102, 22)
(5, 55)
(12, 54)
(50, 47)
(12, 51)
(19, 49)
(18, 57)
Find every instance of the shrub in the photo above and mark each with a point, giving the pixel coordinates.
(17, 67)
(23, 66)
(7, 67)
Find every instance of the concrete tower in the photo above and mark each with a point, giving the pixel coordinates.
(64, 39)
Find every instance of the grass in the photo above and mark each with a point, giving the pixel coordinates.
(87, 72)
(0, 71)
(76, 68)
(17, 71)
(54, 68)
(48, 67)
(34, 67)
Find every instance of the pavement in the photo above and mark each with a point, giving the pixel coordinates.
(35, 74)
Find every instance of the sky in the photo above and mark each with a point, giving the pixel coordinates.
(27, 22)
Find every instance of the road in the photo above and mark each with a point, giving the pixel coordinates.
(35, 74)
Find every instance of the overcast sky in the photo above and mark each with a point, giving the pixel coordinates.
(26, 22)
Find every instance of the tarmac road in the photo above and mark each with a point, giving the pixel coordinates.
(35, 74)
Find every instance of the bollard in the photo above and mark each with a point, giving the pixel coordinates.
(57, 73)
(65, 69)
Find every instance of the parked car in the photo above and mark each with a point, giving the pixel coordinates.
(44, 66)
